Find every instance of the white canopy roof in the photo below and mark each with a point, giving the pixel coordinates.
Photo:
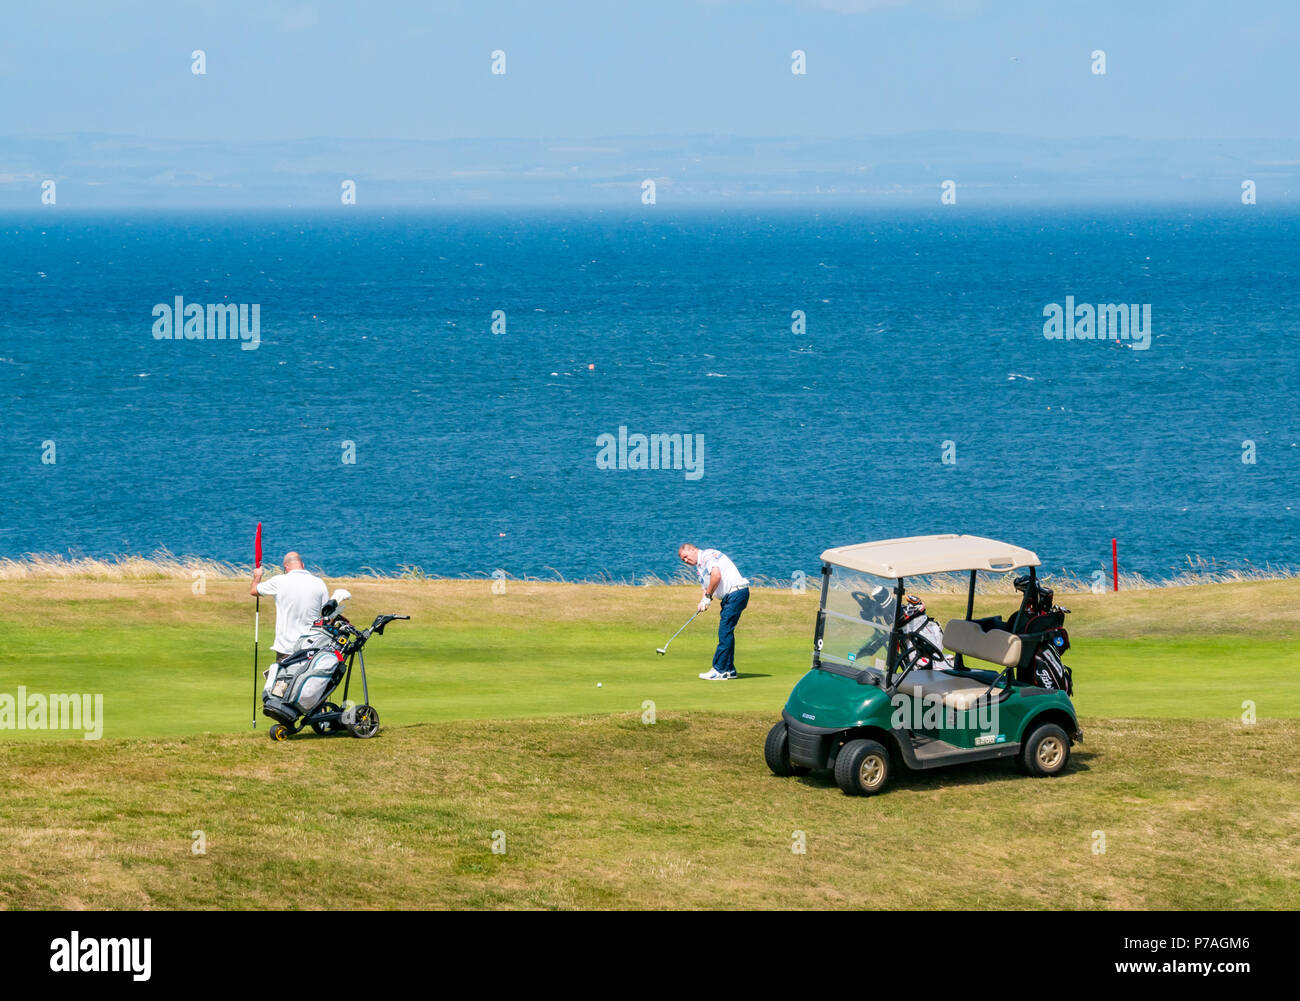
(927, 554)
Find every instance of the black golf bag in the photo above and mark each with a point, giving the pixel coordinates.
(1049, 672)
(1040, 623)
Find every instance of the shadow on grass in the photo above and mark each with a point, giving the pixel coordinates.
(308, 735)
(970, 773)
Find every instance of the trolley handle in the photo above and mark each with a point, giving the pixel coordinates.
(383, 620)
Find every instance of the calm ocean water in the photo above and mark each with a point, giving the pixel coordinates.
(476, 451)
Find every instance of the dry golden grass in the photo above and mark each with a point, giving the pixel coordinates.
(161, 565)
(602, 812)
(164, 565)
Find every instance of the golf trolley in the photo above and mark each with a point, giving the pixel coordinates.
(298, 696)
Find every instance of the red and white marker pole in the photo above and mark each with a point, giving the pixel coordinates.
(1114, 562)
(257, 617)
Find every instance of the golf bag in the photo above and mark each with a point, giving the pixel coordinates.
(303, 680)
(1049, 672)
(922, 644)
(922, 638)
(326, 631)
(296, 694)
(1038, 610)
(1041, 625)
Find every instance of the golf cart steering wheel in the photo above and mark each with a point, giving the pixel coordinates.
(923, 646)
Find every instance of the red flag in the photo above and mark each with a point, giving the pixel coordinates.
(257, 547)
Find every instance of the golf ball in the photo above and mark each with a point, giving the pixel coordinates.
(597, 684)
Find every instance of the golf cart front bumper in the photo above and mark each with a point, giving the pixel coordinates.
(809, 746)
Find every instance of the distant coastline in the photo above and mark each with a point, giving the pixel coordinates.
(884, 171)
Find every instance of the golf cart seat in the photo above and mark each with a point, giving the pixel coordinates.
(996, 645)
(955, 691)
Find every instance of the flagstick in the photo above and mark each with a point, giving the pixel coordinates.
(257, 617)
(257, 612)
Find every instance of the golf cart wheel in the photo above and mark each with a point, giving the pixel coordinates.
(1046, 752)
(862, 768)
(776, 752)
(365, 721)
(279, 732)
(326, 728)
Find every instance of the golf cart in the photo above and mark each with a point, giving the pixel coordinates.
(880, 693)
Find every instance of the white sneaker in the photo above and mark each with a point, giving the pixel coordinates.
(712, 675)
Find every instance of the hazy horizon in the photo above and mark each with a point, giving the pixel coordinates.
(513, 103)
(109, 171)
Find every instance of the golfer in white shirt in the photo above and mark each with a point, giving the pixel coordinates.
(720, 579)
(299, 597)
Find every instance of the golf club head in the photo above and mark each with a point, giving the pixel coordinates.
(660, 650)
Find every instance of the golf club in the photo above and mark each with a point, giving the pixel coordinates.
(664, 649)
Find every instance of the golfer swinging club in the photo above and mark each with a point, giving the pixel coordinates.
(299, 596)
(720, 579)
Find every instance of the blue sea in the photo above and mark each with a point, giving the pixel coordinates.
(477, 450)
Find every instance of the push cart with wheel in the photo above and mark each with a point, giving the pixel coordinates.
(300, 696)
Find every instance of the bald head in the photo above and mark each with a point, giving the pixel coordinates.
(292, 561)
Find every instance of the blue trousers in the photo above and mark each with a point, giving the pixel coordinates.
(724, 658)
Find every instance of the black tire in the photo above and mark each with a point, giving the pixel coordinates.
(278, 733)
(328, 729)
(365, 721)
(776, 752)
(1046, 752)
(862, 768)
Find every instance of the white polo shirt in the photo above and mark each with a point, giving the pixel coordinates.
(299, 597)
(730, 579)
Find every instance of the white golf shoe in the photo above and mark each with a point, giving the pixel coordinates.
(712, 675)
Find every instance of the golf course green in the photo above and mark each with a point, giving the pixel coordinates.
(613, 777)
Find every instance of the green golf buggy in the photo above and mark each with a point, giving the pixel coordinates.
(886, 689)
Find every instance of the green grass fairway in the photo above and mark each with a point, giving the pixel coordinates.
(493, 722)
(171, 663)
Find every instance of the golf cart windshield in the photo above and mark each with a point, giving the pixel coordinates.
(857, 618)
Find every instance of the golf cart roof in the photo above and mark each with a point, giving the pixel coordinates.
(927, 554)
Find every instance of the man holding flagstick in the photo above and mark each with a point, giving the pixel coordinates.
(299, 597)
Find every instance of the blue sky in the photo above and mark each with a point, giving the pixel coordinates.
(421, 70)
(601, 72)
